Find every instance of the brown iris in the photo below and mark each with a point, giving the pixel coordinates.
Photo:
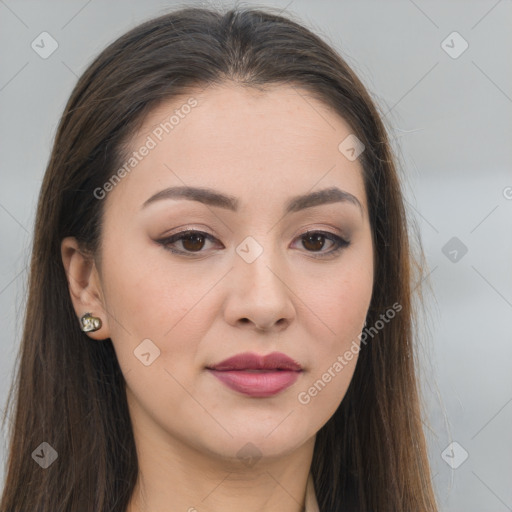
(193, 241)
(317, 241)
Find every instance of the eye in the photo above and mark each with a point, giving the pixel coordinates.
(193, 241)
(314, 242)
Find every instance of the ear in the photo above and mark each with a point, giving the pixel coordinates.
(84, 285)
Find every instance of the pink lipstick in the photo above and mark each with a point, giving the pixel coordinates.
(255, 375)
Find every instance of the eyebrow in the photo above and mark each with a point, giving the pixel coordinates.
(294, 204)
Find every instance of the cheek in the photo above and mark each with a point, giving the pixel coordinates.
(154, 300)
(339, 298)
(146, 295)
(333, 362)
(341, 304)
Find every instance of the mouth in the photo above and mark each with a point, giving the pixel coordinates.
(256, 375)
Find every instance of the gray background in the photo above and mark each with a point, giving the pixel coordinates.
(450, 121)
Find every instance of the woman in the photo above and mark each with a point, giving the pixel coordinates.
(220, 307)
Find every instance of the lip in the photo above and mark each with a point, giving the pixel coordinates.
(252, 361)
(255, 375)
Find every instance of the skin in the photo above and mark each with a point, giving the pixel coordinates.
(261, 147)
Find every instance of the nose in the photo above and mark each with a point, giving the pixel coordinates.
(260, 294)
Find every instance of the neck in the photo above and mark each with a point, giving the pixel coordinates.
(174, 476)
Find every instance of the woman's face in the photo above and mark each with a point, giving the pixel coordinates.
(248, 280)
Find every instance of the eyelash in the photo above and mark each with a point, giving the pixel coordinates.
(340, 243)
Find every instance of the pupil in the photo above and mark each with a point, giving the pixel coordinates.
(194, 239)
(314, 238)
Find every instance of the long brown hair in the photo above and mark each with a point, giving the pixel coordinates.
(69, 392)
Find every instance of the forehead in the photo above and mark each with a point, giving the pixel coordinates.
(246, 117)
(245, 141)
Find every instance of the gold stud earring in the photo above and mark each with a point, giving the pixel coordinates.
(90, 323)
